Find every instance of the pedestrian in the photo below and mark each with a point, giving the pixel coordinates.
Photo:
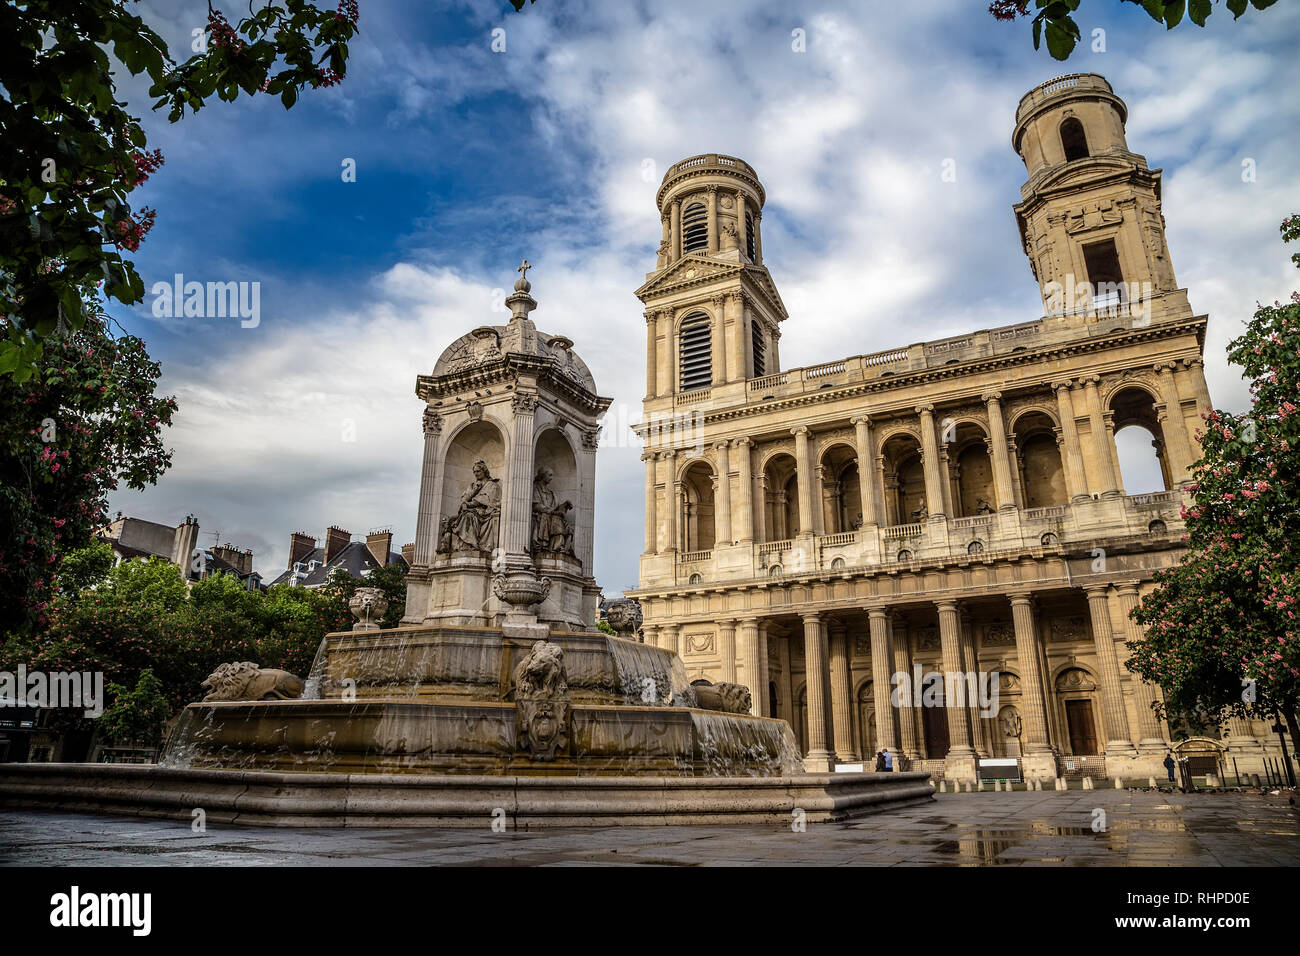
(1169, 765)
(880, 762)
(889, 759)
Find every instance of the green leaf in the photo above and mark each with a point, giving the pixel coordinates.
(1060, 40)
(289, 96)
(1238, 7)
(1038, 31)
(1174, 13)
(1262, 4)
(1198, 10)
(1155, 8)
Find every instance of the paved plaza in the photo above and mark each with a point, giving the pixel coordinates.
(1133, 828)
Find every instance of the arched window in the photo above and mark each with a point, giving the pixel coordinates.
(750, 244)
(1073, 139)
(695, 228)
(760, 349)
(696, 352)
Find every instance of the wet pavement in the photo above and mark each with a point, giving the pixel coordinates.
(1073, 828)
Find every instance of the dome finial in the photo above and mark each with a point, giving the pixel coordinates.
(522, 284)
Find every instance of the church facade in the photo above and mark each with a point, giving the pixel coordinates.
(954, 510)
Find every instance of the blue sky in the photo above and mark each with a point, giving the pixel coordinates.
(468, 160)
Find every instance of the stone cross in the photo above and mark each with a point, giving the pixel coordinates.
(524, 268)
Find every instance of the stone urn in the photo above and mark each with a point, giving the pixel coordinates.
(521, 590)
(624, 617)
(368, 606)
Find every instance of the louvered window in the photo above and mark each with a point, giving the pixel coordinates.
(749, 236)
(760, 350)
(695, 228)
(696, 349)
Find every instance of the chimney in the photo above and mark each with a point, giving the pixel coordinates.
(408, 553)
(300, 546)
(226, 552)
(336, 539)
(379, 543)
(246, 561)
(184, 542)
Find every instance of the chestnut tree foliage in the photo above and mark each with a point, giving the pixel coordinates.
(1054, 19)
(72, 153)
(1223, 626)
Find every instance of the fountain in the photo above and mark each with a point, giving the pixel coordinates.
(496, 698)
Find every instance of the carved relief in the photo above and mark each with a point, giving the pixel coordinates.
(1093, 216)
(1070, 629)
(541, 701)
(999, 634)
(1075, 679)
(699, 644)
(927, 639)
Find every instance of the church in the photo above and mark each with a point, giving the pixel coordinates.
(952, 507)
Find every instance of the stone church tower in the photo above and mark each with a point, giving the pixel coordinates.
(950, 511)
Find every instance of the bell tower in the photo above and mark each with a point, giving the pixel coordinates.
(712, 311)
(1089, 216)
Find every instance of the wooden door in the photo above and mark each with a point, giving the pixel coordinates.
(1083, 733)
(935, 722)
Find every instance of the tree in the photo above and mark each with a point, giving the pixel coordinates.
(1054, 20)
(72, 152)
(87, 424)
(1222, 635)
(137, 715)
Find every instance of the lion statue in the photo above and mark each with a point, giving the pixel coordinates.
(728, 698)
(244, 680)
(541, 672)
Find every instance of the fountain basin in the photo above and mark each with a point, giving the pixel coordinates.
(411, 800)
(457, 736)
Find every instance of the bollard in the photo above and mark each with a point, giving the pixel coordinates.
(1087, 783)
(943, 786)
(968, 786)
(1119, 784)
(979, 785)
(997, 786)
(1211, 780)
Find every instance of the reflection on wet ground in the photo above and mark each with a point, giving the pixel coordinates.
(1072, 828)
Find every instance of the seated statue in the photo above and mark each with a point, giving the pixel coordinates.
(552, 528)
(474, 526)
(982, 507)
(921, 512)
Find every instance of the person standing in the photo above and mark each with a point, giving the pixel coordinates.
(880, 762)
(889, 760)
(1169, 765)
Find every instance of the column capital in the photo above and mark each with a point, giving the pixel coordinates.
(924, 410)
(991, 396)
(1127, 589)
(860, 420)
(712, 187)
(1090, 381)
(720, 445)
(951, 606)
(799, 431)
(742, 442)
(1021, 598)
(749, 621)
(1062, 383)
(1163, 368)
(727, 622)
(431, 422)
(877, 611)
(811, 617)
(1096, 591)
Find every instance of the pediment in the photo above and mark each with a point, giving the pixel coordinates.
(691, 269)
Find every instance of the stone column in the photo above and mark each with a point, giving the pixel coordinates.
(749, 663)
(841, 694)
(930, 459)
(971, 665)
(711, 200)
(882, 663)
(722, 536)
(733, 315)
(426, 522)
(1001, 461)
(1118, 739)
(666, 243)
(818, 758)
(679, 516)
(1196, 374)
(866, 473)
(666, 523)
(761, 698)
(1103, 455)
(517, 509)
(1075, 477)
(961, 754)
(743, 520)
(719, 340)
(785, 688)
(758, 237)
(651, 353)
(1151, 738)
(804, 467)
(668, 634)
(651, 494)
(727, 649)
(1032, 706)
(1174, 426)
(909, 736)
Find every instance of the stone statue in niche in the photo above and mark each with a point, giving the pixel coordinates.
(475, 525)
(730, 237)
(552, 527)
(982, 506)
(921, 513)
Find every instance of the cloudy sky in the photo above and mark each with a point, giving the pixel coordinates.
(468, 160)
